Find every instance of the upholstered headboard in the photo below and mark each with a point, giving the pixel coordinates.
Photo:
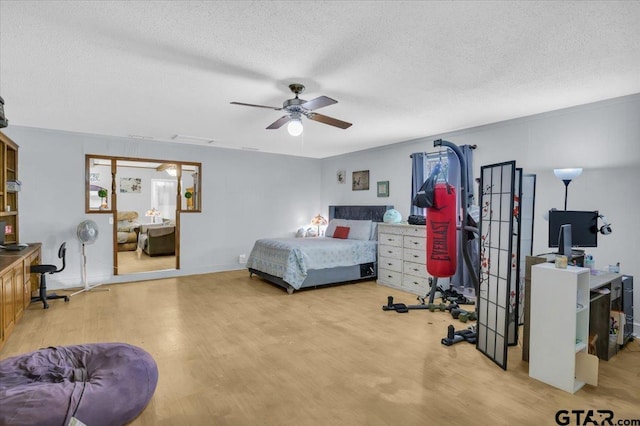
(374, 213)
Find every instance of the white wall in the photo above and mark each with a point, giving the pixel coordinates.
(603, 138)
(250, 195)
(246, 195)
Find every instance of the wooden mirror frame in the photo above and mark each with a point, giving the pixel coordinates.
(192, 204)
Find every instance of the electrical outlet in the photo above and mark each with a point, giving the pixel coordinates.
(242, 258)
(111, 220)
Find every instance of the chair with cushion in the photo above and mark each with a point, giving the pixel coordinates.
(128, 229)
(92, 384)
(157, 240)
(43, 270)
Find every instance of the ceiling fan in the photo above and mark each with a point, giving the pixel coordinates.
(296, 108)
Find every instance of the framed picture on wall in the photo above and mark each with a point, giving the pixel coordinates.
(360, 181)
(130, 185)
(341, 176)
(383, 188)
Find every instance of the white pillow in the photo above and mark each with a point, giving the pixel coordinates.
(374, 231)
(332, 226)
(360, 229)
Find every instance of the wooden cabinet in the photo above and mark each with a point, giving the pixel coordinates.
(15, 286)
(31, 281)
(18, 290)
(402, 256)
(8, 303)
(559, 327)
(15, 280)
(606, 306)
(9, 188)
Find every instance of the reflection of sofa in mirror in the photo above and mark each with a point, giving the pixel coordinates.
(128, 228)
(157, 239)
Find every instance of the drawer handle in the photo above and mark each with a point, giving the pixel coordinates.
(415, 256)
(415, 242)
(390, 264)
(415, 283)
(389, 276)
(389, 251)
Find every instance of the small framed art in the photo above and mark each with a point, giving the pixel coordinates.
(128, 185)
(341, 176)
(383, 188)
(360, 181)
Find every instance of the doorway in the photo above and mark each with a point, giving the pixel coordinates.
(146, 199)
(146, 213)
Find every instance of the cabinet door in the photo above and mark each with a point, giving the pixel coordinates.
(18, 290)
(8, 318)
(34, 279)
(26, 287)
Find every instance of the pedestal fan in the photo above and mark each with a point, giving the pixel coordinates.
(87, 233)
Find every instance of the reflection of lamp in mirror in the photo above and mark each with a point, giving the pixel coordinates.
(318, 221)
(153, 213)
(567, 175)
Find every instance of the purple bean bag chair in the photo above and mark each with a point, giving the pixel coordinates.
(98, 384)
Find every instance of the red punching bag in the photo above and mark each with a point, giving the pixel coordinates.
(441, 232)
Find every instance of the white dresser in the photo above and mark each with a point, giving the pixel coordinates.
(401, 257)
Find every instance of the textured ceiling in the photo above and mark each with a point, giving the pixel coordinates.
(399, 70)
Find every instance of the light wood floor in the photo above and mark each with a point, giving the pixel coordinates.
(130, 263)
(238, 351)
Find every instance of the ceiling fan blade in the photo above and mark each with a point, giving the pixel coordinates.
(328, 120)
(319, 102)
(279, 122)
(256, 106)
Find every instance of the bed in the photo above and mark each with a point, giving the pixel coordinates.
(295, 263)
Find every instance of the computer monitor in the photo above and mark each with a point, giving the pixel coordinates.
(584, 227)
(564, 240)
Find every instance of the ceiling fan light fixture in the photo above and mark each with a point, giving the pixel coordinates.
(295, 127)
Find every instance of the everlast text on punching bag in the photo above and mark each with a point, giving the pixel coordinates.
(441, 232)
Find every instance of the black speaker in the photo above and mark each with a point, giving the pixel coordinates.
(564, 241)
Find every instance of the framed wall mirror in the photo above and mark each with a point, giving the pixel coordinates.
(146, 198)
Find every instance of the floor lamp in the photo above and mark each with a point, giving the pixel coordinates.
(567, 175)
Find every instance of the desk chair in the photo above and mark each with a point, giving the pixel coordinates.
(49, 269)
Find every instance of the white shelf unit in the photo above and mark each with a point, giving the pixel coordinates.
(402, 257)
(559, 331)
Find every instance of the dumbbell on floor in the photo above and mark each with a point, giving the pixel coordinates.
(437, 307)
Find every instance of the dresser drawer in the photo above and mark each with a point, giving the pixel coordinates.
(390, 229)
(387, 276)
(390, 263)
(416, 231)
(416, 269)
(416, 243)
(415, 284)
(390, 239)
(390, 251)
(411, 255)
